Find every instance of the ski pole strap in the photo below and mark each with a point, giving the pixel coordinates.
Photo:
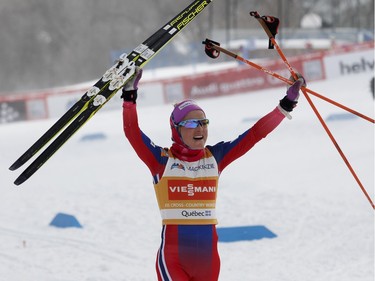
(270, 24)
(209, 49)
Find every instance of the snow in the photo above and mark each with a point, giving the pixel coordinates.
(294, 182)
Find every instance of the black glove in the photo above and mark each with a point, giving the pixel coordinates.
(129, 95)
(129, 91)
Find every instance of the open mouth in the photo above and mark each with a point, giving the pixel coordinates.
(198, 138)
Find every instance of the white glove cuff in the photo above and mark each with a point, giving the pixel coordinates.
(286, 113)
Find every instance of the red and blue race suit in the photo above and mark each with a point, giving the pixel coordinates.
(186, 193)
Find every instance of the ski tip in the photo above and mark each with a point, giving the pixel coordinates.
(22, 160)
(20, 180)
(14, 166)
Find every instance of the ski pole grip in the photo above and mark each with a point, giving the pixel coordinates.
(270, 25)
(209, 49)
(254, 14)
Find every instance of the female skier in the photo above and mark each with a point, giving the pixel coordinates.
(186, 177)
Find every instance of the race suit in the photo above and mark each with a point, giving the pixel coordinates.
(186, 194)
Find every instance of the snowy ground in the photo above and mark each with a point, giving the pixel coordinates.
(294, 182)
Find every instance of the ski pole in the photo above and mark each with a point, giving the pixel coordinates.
(214, 45)
(261, 20)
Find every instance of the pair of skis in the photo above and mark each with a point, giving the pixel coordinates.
(103, 90)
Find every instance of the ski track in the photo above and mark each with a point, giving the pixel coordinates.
(38, 243)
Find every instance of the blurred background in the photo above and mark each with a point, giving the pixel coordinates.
(56, 43)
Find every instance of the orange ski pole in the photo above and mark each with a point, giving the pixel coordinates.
(280, 52)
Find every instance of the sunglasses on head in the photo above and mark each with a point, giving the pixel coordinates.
(193, 123)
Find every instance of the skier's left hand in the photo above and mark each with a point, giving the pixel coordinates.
(129, 91)
(292, 94)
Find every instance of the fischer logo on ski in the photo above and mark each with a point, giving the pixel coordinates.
(191, 15)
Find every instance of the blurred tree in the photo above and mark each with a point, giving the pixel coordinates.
(60, 42)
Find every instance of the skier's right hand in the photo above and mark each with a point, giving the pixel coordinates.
(129, 91)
